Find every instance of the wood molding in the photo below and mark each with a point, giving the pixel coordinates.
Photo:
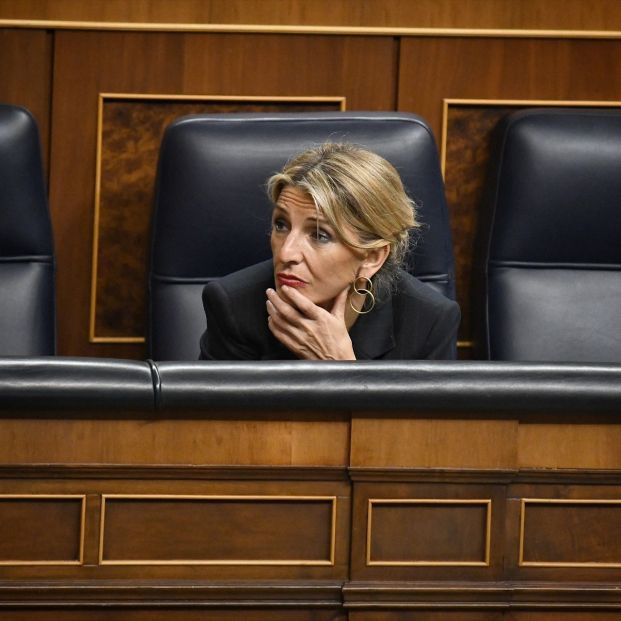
(514, 33)
(352, 595)
(488, 595)
(166, 593)
(505, 477)
(185, 472)
(431, 475)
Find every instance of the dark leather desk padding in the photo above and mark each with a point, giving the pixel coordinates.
(81, 384)
(409, 386)
(174, 389)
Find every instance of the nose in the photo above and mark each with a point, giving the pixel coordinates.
(290, 250)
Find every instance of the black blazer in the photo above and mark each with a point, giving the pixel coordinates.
(415, 323)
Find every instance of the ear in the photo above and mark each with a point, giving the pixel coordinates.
(375, 258)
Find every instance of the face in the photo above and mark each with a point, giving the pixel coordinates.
(308, 254)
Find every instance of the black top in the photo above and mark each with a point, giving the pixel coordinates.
(414, 323)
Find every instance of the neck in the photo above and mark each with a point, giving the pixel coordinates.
(351, 316)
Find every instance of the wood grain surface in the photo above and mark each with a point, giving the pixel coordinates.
(527, 14)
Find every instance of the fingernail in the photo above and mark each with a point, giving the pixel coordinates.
(269, 291)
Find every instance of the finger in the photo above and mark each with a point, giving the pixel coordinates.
(277, 305)
(279, 325)
(340, 304)
(292, 343)
(289, 336)
(300, 301)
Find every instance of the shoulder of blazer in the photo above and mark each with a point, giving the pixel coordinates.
(246, 284)
(409, 286)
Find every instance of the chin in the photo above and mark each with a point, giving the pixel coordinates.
(325, 304)
(318, 302)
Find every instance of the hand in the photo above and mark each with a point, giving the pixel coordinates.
(309, 331)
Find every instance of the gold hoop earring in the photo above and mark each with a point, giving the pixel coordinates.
(366, 291)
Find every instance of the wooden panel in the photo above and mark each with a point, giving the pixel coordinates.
(131, 132)
(423, 525)
(192, 577)
(566, 533)
(574, 14)
(166, 613)
(404, 532)
(26, 61)
(230, 442)
(425, 615)
(240, 530)
(566, 615)
(362, 71)
(569, 446)
(494, 68)
(540, 537)
(40, 530)
(421, 531)
(426, 443)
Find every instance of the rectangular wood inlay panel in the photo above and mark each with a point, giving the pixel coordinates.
(570, 533)
(218, 530)
(41, 530)
(129, 135)
(428, 532)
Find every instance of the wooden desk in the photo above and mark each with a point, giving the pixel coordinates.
(433, 507)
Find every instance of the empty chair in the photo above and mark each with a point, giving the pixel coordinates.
(553, 266)
(212, 214)
(27, 317)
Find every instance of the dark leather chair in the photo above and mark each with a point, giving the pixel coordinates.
(27, 317)
(553, 267)
(212, 213)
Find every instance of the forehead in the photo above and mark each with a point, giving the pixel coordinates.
(293, 198)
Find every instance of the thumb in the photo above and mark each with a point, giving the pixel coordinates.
(340, 303)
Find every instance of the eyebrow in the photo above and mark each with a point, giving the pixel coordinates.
(320, 220)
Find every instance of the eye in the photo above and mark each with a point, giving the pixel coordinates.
(321, 236)
(279, 225)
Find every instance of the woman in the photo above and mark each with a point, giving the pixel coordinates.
(334, 289)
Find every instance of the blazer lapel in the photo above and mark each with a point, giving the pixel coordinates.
(373, 334)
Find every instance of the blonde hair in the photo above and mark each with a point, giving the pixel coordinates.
(357, 190)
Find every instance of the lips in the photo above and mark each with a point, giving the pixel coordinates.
(289, 280)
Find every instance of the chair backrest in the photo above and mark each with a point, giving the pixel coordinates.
(212, 213)
(27, 316)
(553, 267)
